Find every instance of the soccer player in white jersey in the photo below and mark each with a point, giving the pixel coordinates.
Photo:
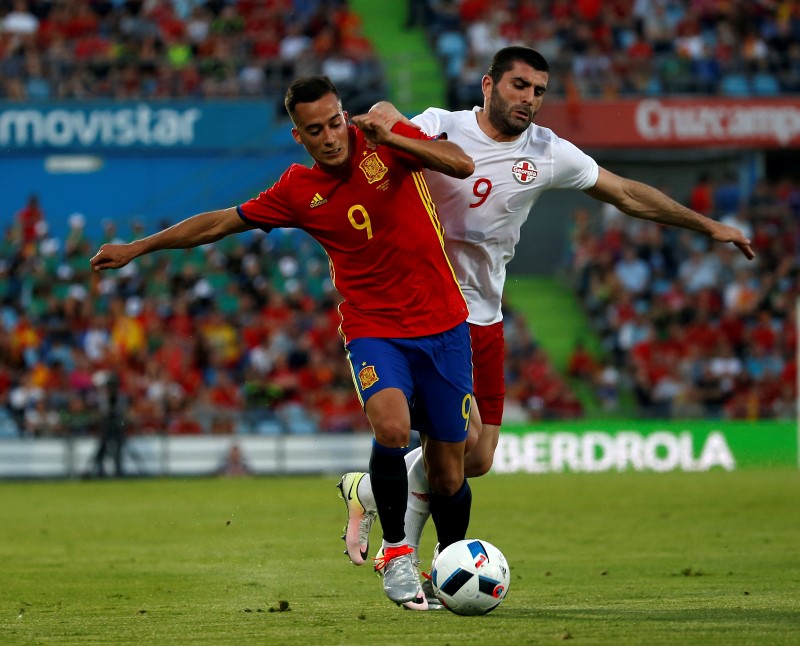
(515, 162)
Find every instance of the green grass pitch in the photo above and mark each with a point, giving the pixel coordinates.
(703, 558)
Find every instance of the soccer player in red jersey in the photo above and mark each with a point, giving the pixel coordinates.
(404, 327)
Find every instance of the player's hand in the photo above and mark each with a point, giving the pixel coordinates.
(377, 124)
(374, 129)
(388, 114)
(726, 233)
(112, 256)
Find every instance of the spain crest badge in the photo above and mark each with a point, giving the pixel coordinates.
(373, 168)
(367, 376)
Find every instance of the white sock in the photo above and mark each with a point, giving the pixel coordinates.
(418, 507)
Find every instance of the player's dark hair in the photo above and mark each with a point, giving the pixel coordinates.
(308, 89)
(504, 60)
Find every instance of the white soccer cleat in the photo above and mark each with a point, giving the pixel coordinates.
(428, 599)
(400, 576)
(359, 519)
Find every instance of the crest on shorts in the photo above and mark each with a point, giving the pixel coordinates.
(373, 168)
(524, 171)
(367, 376)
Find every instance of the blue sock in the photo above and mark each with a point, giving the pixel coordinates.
(451, 515)
(387, 469)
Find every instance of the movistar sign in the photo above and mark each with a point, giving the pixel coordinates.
(141, 125)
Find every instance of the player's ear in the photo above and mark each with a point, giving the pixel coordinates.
(346, 116)
(296, 136)
(486, 86)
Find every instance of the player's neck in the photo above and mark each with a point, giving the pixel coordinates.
(485, 124)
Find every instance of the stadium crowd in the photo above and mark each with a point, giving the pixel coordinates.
(622, 47)
(692, 327)
(73, 49)
(141, 49)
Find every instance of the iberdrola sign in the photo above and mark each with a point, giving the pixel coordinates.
(645, 446)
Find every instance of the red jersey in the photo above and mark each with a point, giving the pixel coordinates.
(377, 222)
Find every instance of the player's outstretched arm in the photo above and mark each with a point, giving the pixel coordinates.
(381, 127)
(192, 232)
(642, 201)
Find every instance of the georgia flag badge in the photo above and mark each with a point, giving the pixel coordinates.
(524, 171)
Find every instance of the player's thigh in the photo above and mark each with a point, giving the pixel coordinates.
(443, 386)
(382, 371)
(488, 359)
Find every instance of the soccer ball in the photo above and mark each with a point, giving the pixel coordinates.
(470, 577)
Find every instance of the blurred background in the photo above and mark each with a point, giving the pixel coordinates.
(119, 117)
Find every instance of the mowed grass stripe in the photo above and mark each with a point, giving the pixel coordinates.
(705, 558)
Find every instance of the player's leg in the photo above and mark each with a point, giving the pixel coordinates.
(450, 497)
(383, 379)
(387, 411)
(440, 411)
(488, 354)
(418, 508)
(488, 350)
(445, 373)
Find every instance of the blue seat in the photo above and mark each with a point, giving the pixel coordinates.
(766, 84)
(8, 427)
(735, 85)
(297, 419)
(654, 87)
(452, 47)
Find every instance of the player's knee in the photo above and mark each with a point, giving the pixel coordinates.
(478, 466)
(392, 434)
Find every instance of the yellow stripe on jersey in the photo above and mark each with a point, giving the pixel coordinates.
(355, 380)
(332, 271)
(430, 207)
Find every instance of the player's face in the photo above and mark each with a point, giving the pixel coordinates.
(321, 126)
(512, 102)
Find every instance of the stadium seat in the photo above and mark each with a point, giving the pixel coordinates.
(452, 47)
(654, 87)
(8, 427)
(297, 419)
(766, 84)
(735, 85)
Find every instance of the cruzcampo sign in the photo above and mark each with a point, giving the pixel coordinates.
(586, 446)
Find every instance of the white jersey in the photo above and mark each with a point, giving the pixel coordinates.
(482, 214)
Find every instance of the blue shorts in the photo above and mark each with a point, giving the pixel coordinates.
(434, 372)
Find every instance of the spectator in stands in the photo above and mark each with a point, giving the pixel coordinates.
(30, 221)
